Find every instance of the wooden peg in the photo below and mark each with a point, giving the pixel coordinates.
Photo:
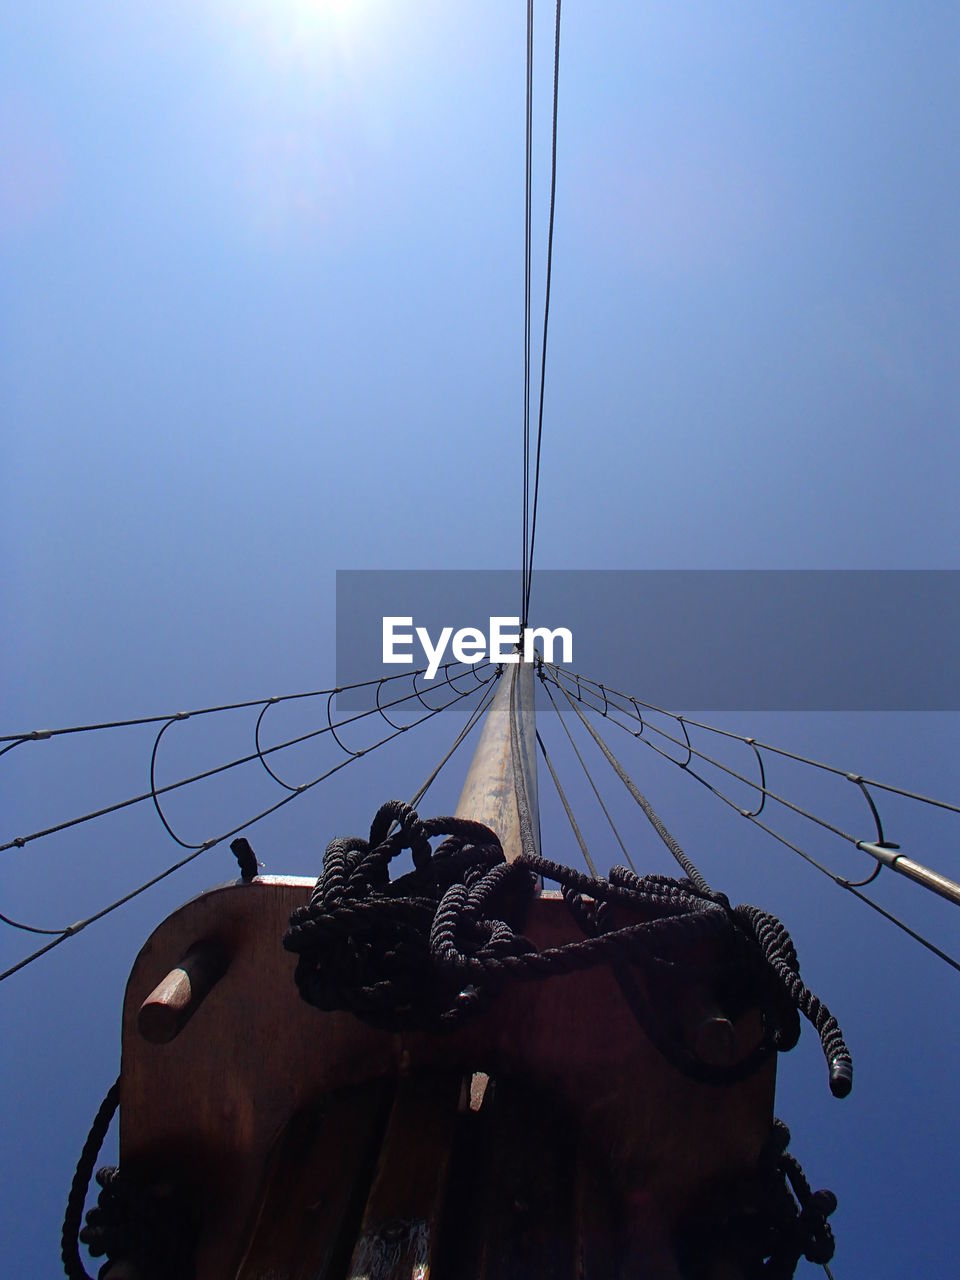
(174, 1001)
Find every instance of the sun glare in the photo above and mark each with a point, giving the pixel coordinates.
(302, 28)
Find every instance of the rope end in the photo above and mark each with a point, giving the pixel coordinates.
(841, 1077)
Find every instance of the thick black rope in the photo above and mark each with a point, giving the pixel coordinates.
(771, 936)
(764, 1224)
(153, 1227)
(426, 950)
(780, 954)
(73, 1217)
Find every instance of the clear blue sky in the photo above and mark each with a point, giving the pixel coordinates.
(261, 319)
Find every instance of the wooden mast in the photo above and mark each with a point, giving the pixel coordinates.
(489, 792)
(402, 1232)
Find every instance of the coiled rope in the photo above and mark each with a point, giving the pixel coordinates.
(430, 948)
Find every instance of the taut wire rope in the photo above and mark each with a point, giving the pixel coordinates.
(260, 753)
(530, 509)
(195, 851)
(604, 705)
(589, 776)
(546, 312)
(574, 825)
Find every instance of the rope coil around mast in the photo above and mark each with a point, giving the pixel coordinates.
(427, 949)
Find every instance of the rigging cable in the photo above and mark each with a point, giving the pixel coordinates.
(669, 840)
(852, 887)
(196, 850)
(881, 849)
(589, 776)
(591, 865)
(259, 753)
(464, 733)
(691, 751)
(607, 692)
(431, 778)
(38, 735)
(546, 314)
(528, 203)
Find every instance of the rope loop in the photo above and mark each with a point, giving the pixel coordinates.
(153, 1227)
(398, 953)
(431, 947)
(765, 1223)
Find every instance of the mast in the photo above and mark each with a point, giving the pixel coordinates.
(547, 1136)
(501, 782)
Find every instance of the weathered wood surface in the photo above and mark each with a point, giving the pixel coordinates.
(176, 998)
(524, 1204)
(489, 792)
(399, 1235)
(316, 1187)
(208, 1107)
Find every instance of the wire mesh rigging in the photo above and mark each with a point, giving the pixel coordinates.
(456, 694)
(260, 753)
(583, 692)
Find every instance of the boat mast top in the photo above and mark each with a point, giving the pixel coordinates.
(500, 789)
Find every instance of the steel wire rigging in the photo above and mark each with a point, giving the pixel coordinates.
(530, 507)
(59, 935)
(37, 735)
(568, 810)
(583, 692)
(764, 925)
(528, 213)
(260, 753)
(593, 786)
